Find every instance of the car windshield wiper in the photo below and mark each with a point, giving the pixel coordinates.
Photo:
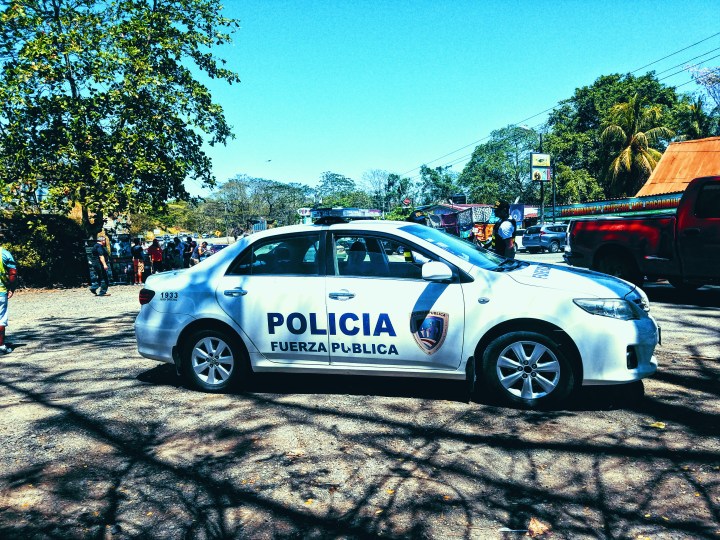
(510, 264)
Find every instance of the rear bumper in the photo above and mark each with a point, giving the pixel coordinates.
(576, 259)
(157, 333)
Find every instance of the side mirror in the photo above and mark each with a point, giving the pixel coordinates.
(436, 271)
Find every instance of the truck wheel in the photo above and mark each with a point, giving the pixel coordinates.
(619, 265)
(527, 369)
(554, 247)
(683, 285)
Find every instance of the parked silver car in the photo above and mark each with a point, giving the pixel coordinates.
(548, 237)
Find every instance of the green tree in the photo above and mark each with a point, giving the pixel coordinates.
(397, 189)
(692, 120)
(500, 168)
(576, 125)
(100, 103)
(333, 185)
(278, 201)
(437, 185)
(575, 186)
(631, 129)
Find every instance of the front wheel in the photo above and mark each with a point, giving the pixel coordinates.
(212, 361)
(527, 369)
(686, 286)
(619, 265)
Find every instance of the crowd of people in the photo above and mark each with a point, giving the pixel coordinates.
(174, 255)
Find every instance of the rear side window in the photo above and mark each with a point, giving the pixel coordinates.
(532, 230)
(284, 255)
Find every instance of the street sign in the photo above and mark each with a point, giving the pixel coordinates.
(541, 174)
(540, 167)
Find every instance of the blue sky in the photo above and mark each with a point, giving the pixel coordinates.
(349, 86)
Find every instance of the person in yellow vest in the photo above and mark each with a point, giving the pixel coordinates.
(8, 281)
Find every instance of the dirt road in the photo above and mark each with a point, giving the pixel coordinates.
(97, 442)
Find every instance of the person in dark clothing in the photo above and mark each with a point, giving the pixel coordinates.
(504, 231)
(190, 246)
(138, 257)
(99, 257)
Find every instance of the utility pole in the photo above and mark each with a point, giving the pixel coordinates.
(542, 192)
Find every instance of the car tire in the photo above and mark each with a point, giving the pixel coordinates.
(527, 369)
(212, 361)
(554, 247)
(533, 250)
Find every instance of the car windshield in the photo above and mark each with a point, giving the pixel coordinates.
(462, 248)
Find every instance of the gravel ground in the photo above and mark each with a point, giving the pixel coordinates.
(97, 442)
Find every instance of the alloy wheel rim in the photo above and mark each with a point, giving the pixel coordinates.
(528, 370)
(212, 361)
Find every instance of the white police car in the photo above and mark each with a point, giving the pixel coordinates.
(395, 299)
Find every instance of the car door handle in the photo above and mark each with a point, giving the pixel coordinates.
(342, 295)
(235, 292)
(693, 231)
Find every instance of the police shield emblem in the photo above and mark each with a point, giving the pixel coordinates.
(429, 329)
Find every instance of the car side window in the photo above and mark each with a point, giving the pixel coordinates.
(287, 255)
(369, 256)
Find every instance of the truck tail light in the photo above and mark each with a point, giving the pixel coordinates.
(145, 296)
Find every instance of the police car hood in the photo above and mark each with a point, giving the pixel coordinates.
(572, 280)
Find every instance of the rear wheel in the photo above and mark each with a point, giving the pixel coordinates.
(527, 369)
(554, 247)
(213, 361)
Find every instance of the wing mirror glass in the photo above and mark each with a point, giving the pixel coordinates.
(436, 271)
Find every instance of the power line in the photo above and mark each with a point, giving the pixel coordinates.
(683, 70)
(676, 52)
(457, 160)
(690, 60)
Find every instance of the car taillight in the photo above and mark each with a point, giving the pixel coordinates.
(145, 296)
(542, 233)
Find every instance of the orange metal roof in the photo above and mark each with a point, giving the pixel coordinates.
(681, 163)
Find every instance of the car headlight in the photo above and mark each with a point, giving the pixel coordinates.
(615, 308)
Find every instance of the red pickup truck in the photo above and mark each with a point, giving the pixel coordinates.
(682, 247)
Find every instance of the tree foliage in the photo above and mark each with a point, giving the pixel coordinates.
(709, 79)
(100, 103)
(630, 131)
(436, 185)
(500, 168)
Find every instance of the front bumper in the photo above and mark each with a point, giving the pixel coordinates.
(622, 354)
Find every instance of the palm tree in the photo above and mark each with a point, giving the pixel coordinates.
(695, 122)
(632, 128)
